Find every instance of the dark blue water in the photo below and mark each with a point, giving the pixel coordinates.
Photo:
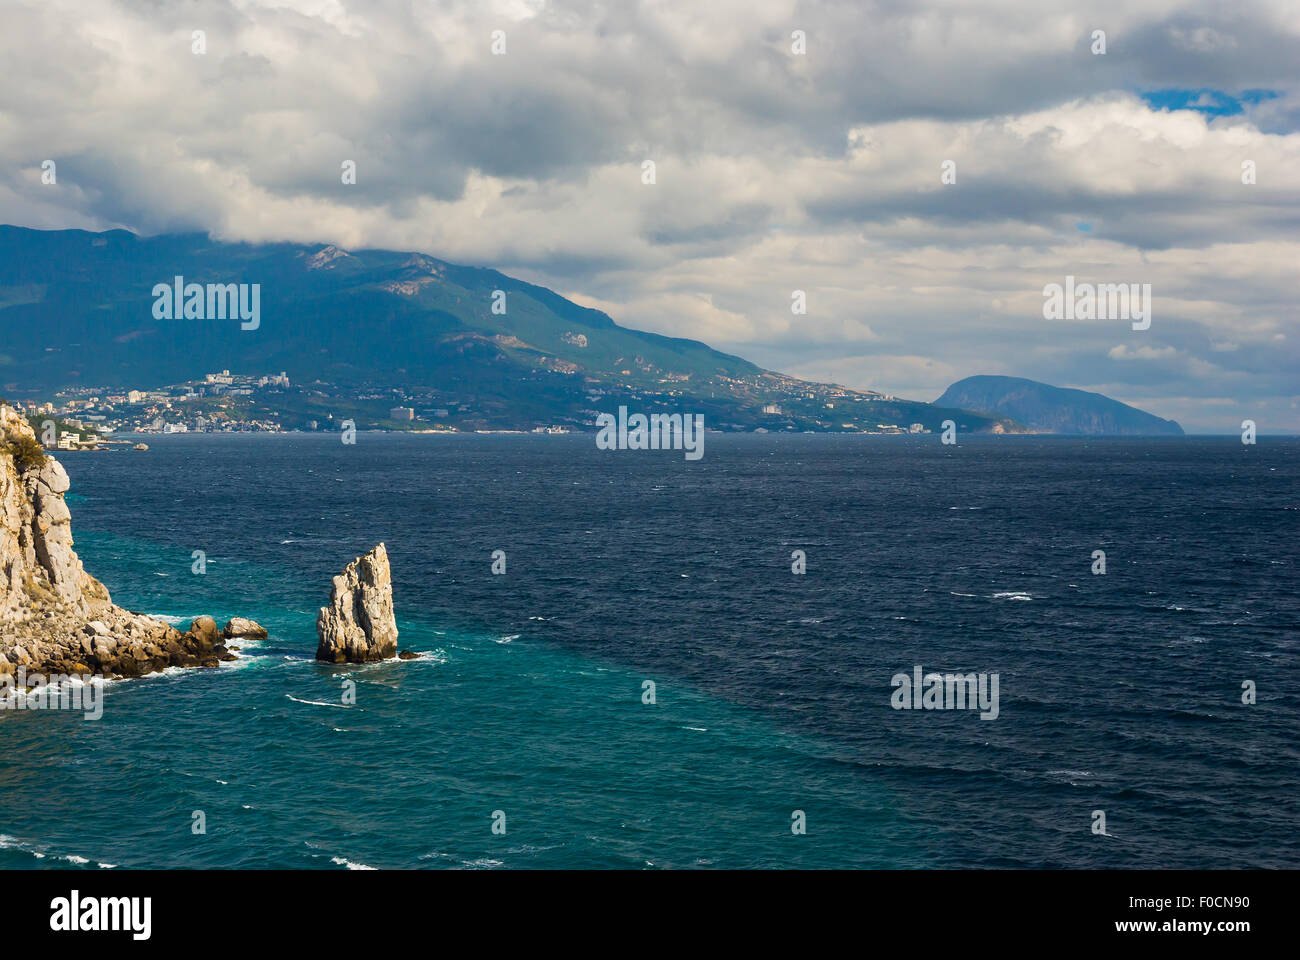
(1119, 692)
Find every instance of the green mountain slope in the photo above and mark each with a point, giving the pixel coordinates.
(377, 327)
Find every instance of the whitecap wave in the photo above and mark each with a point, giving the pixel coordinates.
(170, 618)
(350, 864)
(40, 851)
(317, 703)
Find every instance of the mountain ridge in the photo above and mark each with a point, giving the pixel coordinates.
(365, 330)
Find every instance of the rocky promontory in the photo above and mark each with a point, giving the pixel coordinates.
(358, 625)
(54, 616)
(1044, 408)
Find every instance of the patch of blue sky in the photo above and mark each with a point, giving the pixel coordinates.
(1213, 103)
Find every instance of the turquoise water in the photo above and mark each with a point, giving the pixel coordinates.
(1120, 692)
(288, 775)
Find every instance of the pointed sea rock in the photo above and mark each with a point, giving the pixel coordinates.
(358, 624)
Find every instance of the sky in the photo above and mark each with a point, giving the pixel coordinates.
(796, 146)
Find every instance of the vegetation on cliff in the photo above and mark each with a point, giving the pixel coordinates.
(27, 453)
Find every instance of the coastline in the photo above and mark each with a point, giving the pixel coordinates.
(56, 619)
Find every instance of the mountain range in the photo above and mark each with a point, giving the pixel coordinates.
(361, 332)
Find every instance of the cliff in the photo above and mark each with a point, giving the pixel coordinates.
(54, 616)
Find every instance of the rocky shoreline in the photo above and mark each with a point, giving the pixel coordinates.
(55, 618)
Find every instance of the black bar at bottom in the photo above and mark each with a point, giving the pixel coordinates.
(938, 908)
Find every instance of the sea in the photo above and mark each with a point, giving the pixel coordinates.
(648, 683)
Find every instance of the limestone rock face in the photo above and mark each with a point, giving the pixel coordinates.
(244, 629)
(358, 624)
(54, 616)
(37, 562)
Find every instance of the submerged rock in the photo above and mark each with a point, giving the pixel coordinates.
(244, 629)
(358, 625)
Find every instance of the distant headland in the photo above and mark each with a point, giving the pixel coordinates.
(1047, 409)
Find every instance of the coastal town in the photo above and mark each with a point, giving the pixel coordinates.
(226, 402)
(87, 417)
(223, 402)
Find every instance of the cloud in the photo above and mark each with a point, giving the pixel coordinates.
(1123, 352)
(774, 172)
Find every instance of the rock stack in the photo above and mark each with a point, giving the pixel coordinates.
(358, 624)
(54, 616)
